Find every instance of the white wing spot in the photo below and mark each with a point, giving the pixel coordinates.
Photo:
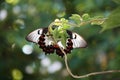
(34, 36)
(78, 41)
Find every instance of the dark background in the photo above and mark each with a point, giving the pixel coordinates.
(22, 60)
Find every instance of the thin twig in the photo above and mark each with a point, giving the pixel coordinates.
(82, 23)
(89, 74)
(68, 69)
(86, 75)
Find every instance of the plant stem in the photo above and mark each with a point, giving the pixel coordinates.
(66, 62)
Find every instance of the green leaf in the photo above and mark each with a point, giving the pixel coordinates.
(113, 20)
(76, 18)
(64, 23)
(63, 38)
(59, 34)
(85, 16)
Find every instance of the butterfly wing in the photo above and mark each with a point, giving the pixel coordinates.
(78, 41)
(46, 43)
(34, 35)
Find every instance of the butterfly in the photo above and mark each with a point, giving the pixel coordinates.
(46, 43)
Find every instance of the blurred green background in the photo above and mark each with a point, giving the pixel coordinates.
(22, 60)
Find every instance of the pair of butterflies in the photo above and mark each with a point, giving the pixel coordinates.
(45, 41)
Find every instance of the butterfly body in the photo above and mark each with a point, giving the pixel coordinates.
(47, 44)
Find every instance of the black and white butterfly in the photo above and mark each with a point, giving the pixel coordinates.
(45, 41)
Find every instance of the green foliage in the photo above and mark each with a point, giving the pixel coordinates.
(85, 16)
(60, 26)
(24, 16)
(76, 18)
(112, 21)
(59, 30)
(86, 19)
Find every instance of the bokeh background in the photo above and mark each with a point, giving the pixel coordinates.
(22, 60)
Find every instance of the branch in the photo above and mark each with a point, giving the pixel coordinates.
(82, 23)
(86, 75)
(68, 69)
